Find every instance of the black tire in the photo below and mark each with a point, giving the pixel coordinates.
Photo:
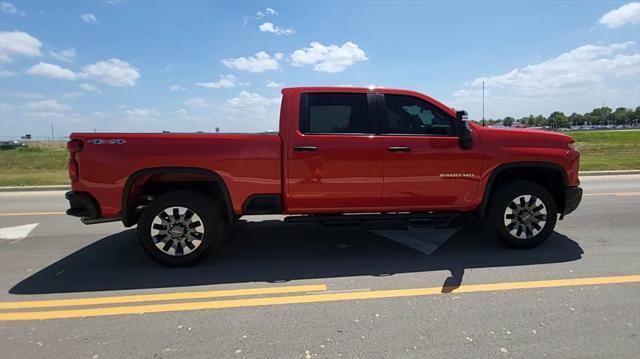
(202, 206)
(507, 206)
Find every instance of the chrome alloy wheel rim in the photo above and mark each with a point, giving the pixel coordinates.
(177, 231)
(525, 216)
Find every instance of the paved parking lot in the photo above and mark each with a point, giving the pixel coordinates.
(279, 290)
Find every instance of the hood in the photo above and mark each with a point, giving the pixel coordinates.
(525, 137)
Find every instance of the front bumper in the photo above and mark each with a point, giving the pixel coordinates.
(572, 198)
(82, 205)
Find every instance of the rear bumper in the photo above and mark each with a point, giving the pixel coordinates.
(82, 205)
(572, 198)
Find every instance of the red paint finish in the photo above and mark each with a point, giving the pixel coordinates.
(347, 173)
(247, 163)
(435, 174)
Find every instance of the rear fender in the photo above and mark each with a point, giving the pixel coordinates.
(138, 178)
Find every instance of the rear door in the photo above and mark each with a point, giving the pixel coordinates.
(424, 166)
(334, 159)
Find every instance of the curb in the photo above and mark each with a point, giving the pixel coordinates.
(34, 188)
(609, 173)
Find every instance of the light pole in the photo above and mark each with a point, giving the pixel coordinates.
(482, 103)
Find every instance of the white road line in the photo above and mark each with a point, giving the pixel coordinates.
(17, 233)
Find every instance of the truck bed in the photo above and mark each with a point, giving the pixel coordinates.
(247, 163)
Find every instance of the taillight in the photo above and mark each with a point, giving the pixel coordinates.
(73, 169)
(74, 146)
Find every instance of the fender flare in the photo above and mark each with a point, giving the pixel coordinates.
(510, 165)
(127, 219)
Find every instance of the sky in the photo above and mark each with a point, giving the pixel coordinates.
(182, 66)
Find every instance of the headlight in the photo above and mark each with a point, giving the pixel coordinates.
(572, 146)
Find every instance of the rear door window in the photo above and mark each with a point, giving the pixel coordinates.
(335, 113)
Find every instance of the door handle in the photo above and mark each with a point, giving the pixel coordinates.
(305, 148)
(399, 149)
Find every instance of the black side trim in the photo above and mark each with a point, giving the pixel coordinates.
(127, 213)
(510, 165)
(303, 116)
(263, 204)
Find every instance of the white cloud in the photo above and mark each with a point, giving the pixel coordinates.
(89, 18)
(273, 84)
(48, 105)
(226, 81)
(74, 94)
(68, 55)
(142, 112)
(90, 88)
(7, 73)
(86, 89)
(51, 71)
(585, 64)
(270, 27)
(8, 8)
(263, 112)
(114, 72)
(330, 58)
(626, 14)
(260, 14)
(260, 62)
(195, 102)
(176, 88)
(575, 81)
(246, 100)
(266, 12)
(17, 43)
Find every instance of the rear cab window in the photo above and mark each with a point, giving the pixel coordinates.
(346, 113)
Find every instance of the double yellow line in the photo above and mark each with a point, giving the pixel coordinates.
(260, 301)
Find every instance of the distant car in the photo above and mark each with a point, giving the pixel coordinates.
(11, 145)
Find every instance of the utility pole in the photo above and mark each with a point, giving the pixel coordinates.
(52, 137)
(482, 103)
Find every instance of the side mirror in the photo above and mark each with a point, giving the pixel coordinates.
(463, 131)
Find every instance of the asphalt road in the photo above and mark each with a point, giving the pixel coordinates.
(279, 290)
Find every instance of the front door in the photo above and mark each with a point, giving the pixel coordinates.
(424, 166)
(334, 158)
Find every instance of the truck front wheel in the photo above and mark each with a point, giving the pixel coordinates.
(180, 227)
(523, 214)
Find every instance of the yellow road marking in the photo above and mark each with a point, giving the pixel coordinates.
(30, 214)
(617, 194)
(160, 297)
(311, 298)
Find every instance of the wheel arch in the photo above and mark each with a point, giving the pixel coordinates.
(516, 171)
(128, 202)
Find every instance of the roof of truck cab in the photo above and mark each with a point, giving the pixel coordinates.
(371, 89)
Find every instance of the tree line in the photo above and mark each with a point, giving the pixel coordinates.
(601, 116)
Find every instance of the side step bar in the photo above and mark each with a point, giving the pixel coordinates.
(379, 220)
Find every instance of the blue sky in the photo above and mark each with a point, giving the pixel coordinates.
(132, 65)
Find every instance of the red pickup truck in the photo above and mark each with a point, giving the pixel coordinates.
(340, 153)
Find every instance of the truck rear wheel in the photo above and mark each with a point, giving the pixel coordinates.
(180, 228)
(523, 214)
